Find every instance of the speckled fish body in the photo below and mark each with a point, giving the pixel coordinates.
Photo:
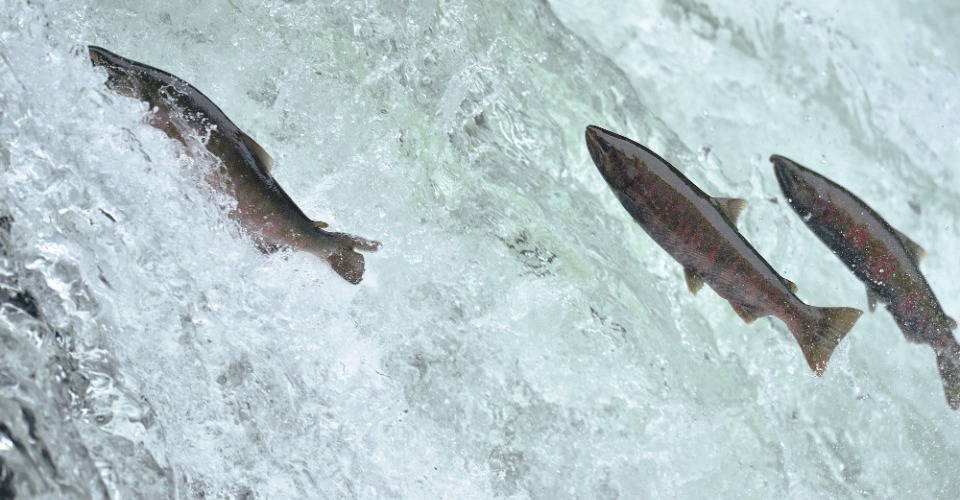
(263, 208)
(885, 260)
(698, 231)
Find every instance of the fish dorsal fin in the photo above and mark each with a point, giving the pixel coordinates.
(749, 314)
(872, 300)
(319, 224)
(918, 252)
(731, 207)
(694, 281)
(257, 151)
(790, 285)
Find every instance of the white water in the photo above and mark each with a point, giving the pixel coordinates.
(518, 335)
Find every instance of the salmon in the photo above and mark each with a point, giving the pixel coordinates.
(698, 231)
(263, 208)
(884, 259)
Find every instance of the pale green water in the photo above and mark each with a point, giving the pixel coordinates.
(518, 335)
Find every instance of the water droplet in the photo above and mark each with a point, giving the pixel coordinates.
(703, 153)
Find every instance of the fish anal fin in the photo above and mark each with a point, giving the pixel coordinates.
(749, 314)
(731, 207)
(257, 151)
(872, 300)
(918, 252)
(952, 323)
(694, 281)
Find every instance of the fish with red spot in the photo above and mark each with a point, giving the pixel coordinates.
(699, 232)
(885, 260)
(263, 208)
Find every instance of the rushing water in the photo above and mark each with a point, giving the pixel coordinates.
(518, 335)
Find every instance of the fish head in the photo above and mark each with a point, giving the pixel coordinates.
(608, 151)
(125, 77)
(794, 180)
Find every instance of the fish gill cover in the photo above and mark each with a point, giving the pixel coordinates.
(516, 336)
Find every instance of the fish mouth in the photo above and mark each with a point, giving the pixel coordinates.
(595, 143)
(787, 174)
(120, 73)
(606, 156)
(600, 146)
(102, 57)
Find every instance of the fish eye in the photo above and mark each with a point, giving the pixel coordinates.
(605, 146)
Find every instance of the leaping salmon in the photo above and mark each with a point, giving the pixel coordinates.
(885, 260)
(698, 231)
(263, 208)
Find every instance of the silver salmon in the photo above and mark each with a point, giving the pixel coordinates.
(699, 232)
(263, 208)
(885, 260)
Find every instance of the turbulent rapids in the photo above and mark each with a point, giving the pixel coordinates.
(517, 336)
(263, 207)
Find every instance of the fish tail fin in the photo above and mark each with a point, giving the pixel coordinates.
(820, 332)
(948, 361)
(346, 261)
(348, 264)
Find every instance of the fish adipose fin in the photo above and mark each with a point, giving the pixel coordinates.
(694, 281)
(749, 314)
(948, 361)
(790, 285)
(918, 252)
(731, 207)
(319, 224)
(819, 333)
(257, 151)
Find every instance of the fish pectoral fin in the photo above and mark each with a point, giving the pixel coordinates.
(790, 285)
(257, 151)
(319, 224)
(694, 280)
(749, 314)
(731, 207)
(872, 300)
(918, 252)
